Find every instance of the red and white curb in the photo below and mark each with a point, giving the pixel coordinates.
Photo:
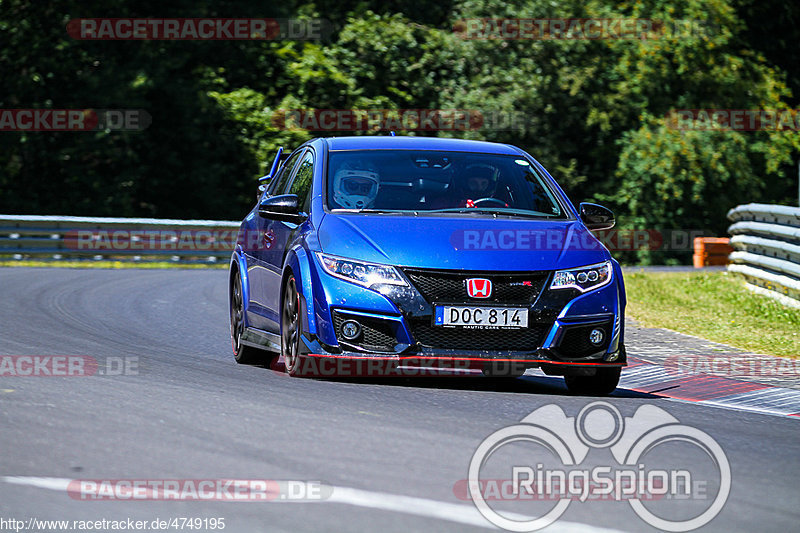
(645, 377)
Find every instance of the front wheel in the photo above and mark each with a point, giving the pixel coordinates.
(603, 383)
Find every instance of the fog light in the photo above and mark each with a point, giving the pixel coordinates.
(596, 337)
(351, 329)
(612, 356)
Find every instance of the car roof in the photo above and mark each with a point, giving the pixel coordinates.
(384, 142)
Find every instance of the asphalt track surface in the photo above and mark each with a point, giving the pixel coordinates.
(392, 450)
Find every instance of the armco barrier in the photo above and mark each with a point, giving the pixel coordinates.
(766, 243)
(127, 239)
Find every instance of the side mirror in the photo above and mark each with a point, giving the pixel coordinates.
(596, 217)
(284, 207)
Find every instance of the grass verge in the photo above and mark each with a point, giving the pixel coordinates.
(715, 306)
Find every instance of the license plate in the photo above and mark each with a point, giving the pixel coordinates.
(481, 317)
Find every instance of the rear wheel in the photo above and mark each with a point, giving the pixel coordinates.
(290, 328)
(603, 383)
(246, 355)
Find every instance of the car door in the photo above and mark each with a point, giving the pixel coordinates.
(284, 233)
(260, 261)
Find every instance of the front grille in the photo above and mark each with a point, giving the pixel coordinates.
(377, 335)
(575, 340)
(526, 339)
(442, 286)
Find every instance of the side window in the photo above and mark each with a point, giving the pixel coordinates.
(280, 181)
(301, 186)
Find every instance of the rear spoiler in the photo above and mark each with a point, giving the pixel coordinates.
(274, 166)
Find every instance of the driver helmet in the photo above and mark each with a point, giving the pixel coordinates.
(480, 180)
(355, 186)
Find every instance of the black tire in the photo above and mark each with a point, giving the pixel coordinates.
(603, 383)
(245, 355)
(291, 327)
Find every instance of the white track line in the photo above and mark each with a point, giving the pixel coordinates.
(451, 512)
(50, 483)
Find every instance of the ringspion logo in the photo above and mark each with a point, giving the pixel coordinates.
(544, 460)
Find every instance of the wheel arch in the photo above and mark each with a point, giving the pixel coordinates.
(239, 264)
(297, 264)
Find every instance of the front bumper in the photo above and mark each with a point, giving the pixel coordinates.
(398, 330)
(318, 363)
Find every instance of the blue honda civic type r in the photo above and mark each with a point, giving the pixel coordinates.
(425, 253)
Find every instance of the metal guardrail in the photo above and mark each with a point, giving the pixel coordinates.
(766, 242)
(125, 239)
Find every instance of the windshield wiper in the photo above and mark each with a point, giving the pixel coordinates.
(368, 211)
(483, 211)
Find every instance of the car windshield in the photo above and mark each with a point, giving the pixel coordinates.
(438, 182)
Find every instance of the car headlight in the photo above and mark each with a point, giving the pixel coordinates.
(360, 272)
(584, 278)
